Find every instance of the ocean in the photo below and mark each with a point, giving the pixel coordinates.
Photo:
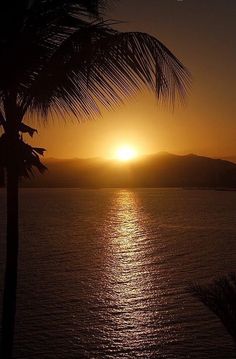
(105, 273)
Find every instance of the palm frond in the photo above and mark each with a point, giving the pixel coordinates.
(27, 158)
(68, 62)
(220, 298)
(31, 30)
(27, 129)
(96, 64)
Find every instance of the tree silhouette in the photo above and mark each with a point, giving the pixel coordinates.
(61, 57)
(220, 297)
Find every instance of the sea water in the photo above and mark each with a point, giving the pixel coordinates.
(105, 273)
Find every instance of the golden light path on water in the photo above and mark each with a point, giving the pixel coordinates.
(130, 278)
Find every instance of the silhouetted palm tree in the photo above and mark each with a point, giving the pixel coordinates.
(220, 298)
(59, 57)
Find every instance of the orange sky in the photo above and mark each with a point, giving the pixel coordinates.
(202, 34)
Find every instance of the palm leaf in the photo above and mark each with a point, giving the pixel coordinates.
(30, 30)
(98, 65)
(220, 298)
(27, 158)
(71, 64)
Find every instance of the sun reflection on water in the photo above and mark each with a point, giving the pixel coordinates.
(129, 277)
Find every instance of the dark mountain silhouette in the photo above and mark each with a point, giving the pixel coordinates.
(230, 158)
(158, 170)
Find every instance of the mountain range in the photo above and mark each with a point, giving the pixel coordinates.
(158, 170)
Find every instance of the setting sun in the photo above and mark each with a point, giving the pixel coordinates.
(126, 153)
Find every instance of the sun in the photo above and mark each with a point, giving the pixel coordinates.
(126, 153)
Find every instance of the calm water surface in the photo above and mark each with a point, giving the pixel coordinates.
(105, 273)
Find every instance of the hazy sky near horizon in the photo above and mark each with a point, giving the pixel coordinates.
(202, 35)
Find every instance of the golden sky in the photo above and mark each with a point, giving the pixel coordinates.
(202, 34)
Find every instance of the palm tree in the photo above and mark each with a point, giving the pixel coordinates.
(220, 297)
(59, 57)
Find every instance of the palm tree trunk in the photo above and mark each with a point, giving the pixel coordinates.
(10, 284)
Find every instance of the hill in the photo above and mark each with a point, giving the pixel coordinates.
(159, 170)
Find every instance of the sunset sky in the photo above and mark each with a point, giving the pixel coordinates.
(202, 35)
